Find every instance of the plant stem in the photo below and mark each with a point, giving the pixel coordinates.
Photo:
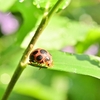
(11, 84)
(24, 60)
(39, 30)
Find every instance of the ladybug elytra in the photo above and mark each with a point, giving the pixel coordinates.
(41, 56)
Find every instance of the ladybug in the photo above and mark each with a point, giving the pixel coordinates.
(41, 56)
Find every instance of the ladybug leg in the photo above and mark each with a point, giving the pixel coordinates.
(40, 68)
(41, 62)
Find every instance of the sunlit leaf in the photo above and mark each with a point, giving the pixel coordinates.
(38, 91)
(89, 40)
(30, 15)
(77, 63)
(64, 32)
(6, 4)
(50, 3)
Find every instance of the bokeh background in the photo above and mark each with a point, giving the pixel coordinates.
(75, 29)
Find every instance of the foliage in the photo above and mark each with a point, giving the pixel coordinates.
(71, 35)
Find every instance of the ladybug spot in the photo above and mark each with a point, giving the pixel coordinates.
(31, 59)
(43, 51)
(48, 65)
(38, 58)
(41, 61)
(35, 52)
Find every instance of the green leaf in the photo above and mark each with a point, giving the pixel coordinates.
(76, 63)
(89, 40)
(63, 30)
(6, 4)
(37, 90)
(30, 16)
(50, 3)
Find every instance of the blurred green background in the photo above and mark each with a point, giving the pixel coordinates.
(75, 29)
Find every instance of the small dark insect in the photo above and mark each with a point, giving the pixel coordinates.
(41, 56)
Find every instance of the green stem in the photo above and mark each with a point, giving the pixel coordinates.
(11, 84)
(24, 60)
(39, 30)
